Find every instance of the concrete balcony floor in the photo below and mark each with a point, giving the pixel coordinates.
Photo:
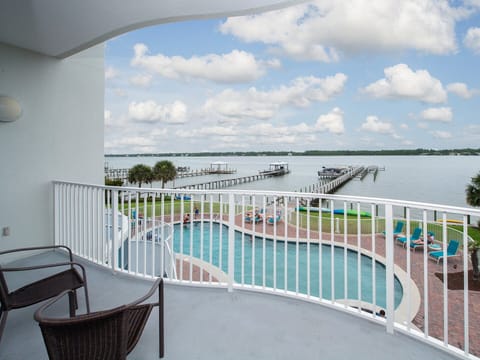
(203, 323)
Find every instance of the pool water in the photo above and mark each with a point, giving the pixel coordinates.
(259, 258)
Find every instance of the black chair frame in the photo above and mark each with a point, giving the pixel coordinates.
(72, 277)
(107, 335)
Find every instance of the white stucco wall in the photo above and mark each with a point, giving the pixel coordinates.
(58, 137)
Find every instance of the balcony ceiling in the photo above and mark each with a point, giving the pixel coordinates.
(61, 28)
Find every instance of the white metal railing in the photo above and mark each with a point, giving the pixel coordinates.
(261, 241)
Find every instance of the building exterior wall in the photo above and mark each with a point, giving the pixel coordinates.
(58, 137)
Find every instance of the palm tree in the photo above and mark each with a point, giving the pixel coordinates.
(140, 174)
(473, 199)
(473, 191)
(164, 171)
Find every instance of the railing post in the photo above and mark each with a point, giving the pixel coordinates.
(231, 241)
(389, 267)
(56, 213)
(114, 240)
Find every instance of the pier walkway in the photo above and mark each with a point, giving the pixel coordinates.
(222, 183)
(122, 174)
(331, 185)
(330, 182)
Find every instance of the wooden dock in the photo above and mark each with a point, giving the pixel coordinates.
(275, 169)
(123, 173)
(330, 186)
(372, 169)
(113, 174)
(219, 184)
(203, 172)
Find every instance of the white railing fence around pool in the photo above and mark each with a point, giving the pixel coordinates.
(338, 253)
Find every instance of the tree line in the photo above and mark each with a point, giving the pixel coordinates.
(399, 152)
(162, 171)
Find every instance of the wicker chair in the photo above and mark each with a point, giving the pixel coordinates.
(103, 335)
(69, 278)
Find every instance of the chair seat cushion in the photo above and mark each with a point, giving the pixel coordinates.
(45, 288)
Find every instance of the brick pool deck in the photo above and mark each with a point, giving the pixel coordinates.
(435, 285)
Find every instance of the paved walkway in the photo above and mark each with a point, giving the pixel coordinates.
(210, 324)
(435, 285)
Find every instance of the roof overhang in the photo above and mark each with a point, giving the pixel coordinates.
(61, 28)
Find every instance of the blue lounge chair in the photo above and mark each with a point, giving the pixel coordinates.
(273, 219)
(451, 251)
(415, 236)
(430, 237)
(250, 219)
(398, 228)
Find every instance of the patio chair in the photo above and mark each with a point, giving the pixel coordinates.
(398, 228)
(274, 219)
(430, 237)
(415, 236)
(107, 335)
(451, 251)
(71, 277)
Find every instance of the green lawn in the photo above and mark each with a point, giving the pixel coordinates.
(454, 232)
(188, 207)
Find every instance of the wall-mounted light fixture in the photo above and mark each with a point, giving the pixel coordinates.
(10, 109)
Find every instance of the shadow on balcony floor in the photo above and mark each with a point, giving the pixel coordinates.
(204, 323)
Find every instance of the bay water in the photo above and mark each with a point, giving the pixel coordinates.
(432, 179)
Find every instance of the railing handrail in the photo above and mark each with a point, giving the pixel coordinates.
(80, 221)
(350, 198)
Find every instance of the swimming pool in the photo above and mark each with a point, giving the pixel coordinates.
(260, 256)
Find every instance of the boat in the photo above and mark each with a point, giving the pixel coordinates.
(450, 221)
(352, 212)
(312, 209)
(276, 169)
(184, 197)
(220, 167)
(332, 172)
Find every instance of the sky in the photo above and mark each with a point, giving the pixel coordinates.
(324, 75)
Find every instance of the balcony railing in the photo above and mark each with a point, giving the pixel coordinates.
(277, 242)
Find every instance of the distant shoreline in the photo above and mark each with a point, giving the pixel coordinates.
(428, 152)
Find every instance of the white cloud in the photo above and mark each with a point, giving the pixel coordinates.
(150, 111)
(111, 73)
(404, 126)
(375, 125)
(441, 134)
(461, 90)
(131, 144)
(472, 39)
(331, 122)
(422, 125)
(318, 30)
(142, 80)
(442, 114)
(402, 82)
(235, 67)
(251, 136)
(232, 104)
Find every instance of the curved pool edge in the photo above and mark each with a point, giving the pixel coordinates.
(402, 311)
